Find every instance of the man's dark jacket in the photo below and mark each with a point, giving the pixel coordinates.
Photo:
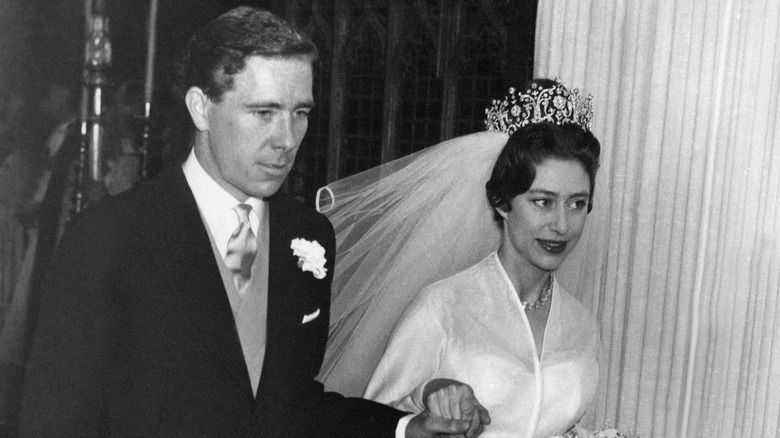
(135, 335)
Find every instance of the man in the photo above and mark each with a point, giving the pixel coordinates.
(197, 303)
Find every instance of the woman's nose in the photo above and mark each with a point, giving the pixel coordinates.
(560, 223)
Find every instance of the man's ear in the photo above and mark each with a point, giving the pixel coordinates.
(197, 104)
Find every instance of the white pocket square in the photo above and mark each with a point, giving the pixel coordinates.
(310, 317)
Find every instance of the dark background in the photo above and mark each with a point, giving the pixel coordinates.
(394, 76)
(42, 41)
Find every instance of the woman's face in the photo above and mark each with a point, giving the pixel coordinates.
(545, 223)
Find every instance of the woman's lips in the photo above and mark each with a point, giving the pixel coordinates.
(553, 246)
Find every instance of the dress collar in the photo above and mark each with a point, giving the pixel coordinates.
(500, 267)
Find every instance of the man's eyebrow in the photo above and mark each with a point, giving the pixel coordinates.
(306, 104)
(277, 105)
(263, 104)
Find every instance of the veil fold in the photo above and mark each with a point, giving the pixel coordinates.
(400, 227)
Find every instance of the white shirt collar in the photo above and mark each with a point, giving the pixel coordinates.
(216, 204)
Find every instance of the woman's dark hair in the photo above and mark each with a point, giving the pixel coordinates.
(219, 50)
(529, 146)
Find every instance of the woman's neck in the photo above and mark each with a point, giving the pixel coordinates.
(529, 281)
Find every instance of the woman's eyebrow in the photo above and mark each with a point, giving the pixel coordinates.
(555, 194)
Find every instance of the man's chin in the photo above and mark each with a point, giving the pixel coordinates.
(265, 189)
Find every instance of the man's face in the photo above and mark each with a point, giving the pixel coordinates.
(248, 140)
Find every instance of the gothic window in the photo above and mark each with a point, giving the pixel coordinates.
(362, 139)
(421, 98)
(396, 77)
(481, 77)
(310, 169)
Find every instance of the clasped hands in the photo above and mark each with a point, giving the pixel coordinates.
(451, 410)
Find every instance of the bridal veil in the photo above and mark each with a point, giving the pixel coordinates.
(400, 227)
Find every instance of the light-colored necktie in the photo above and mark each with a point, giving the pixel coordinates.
(241, 249)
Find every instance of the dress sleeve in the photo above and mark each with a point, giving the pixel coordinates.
(412, 357)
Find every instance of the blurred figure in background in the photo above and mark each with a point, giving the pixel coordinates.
(14, 172)
(45, 146)
(123, 128)
(39, 150)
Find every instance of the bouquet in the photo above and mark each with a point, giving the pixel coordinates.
(579, 432)
(610, 433)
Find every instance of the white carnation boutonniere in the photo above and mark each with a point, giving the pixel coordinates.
(311, 257)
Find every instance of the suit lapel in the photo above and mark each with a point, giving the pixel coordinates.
(286, 297)
(180, 246)
(278, 275)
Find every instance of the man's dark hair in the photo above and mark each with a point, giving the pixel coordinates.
(219, 49)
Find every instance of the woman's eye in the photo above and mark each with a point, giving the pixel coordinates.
(579, 204)
(542, 202)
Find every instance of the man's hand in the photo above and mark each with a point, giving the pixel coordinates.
(452, 409)
(425, 425)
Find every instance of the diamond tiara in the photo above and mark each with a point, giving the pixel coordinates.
(539, 104)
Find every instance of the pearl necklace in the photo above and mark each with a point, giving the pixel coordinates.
(543, 298)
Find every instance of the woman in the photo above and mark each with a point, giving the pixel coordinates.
(505, 325)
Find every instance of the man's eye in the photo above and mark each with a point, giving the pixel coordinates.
(263, 114)
(302, 114)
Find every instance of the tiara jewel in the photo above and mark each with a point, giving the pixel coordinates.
(538, 104)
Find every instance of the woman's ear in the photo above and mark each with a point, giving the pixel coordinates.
(197, 104)
(500, 210)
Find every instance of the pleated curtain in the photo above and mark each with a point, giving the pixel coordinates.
(680, 260)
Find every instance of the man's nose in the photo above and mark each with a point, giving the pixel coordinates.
(285, 133)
